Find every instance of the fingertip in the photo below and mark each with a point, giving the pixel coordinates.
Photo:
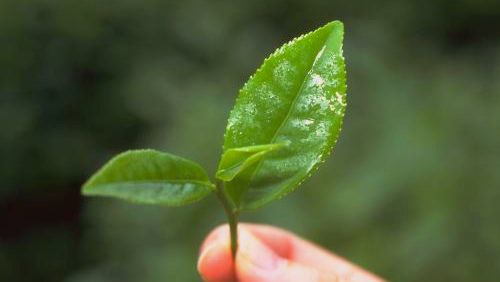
(215, 262)
(217, 234)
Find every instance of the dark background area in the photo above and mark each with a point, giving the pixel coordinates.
(412, 191)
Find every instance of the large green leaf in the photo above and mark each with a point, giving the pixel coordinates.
(298, 96)
(150, 177)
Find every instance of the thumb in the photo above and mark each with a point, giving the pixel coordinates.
(256, 262)
(215, 263)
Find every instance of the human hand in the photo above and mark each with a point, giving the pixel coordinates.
(270, 254)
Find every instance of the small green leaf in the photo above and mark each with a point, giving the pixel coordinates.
(150, 177)
(298, 96)
(236, 160)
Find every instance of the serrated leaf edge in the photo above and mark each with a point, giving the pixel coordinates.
(330, 145)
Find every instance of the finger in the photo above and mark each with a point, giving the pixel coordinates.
(300, 251)
(215, 263)
(272, 254)
(256, 262)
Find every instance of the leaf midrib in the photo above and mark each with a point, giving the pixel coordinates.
(273, 139)
(154, 182)
(294, 102)
(190, 199)
(275, 135)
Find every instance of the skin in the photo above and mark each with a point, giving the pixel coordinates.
(268, 254)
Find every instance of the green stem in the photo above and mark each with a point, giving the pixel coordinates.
(233, 231)
(232, 217)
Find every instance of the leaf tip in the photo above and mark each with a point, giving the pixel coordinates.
(87, 188)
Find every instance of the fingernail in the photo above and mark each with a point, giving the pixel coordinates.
(206, 256)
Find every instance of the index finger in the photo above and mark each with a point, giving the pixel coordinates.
(294, 248)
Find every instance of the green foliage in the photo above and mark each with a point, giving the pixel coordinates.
(294, 104)
(414, 176)
(298, 97)
(237, 160)
(286, 120)
(150, 177)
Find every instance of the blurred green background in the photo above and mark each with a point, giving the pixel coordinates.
(412, 191)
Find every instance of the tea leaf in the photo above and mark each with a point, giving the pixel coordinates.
(298, 96)
(150, 177)
(236, 160)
